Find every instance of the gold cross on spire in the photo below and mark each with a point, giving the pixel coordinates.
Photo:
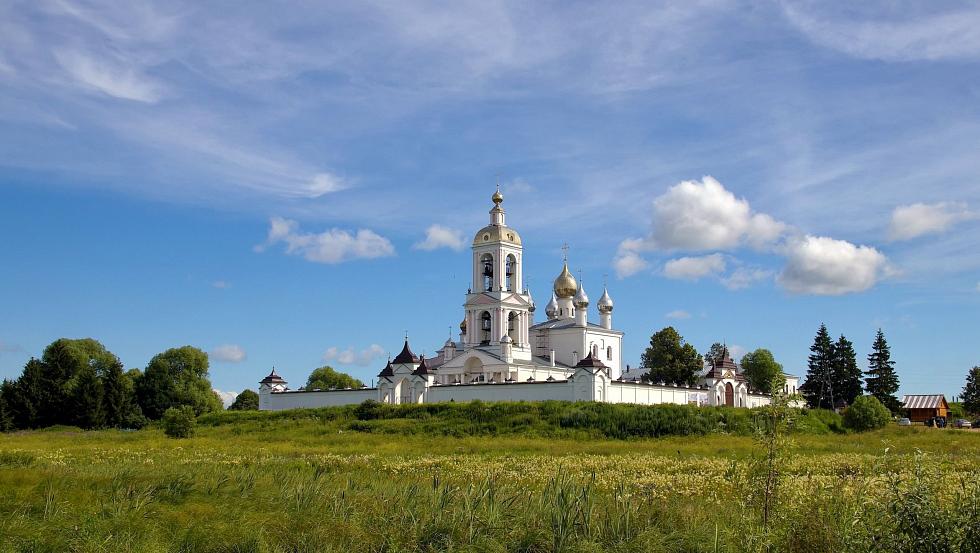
(564, 252)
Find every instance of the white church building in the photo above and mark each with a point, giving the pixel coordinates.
(503, 355)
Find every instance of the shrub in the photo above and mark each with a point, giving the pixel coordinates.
(178, 422)
(867, 413)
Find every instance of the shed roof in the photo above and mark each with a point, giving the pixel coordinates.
(924, 402)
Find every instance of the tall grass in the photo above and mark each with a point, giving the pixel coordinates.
(300, 484)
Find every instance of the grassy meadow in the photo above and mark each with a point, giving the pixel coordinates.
(339, 480)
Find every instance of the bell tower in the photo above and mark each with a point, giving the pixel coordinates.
(497, 303)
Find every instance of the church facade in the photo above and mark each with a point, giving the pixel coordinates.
(502, 354)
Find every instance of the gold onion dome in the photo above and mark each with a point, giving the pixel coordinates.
(565, 284)
(497, 197)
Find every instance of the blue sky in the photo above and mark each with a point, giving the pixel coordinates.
(292, 185)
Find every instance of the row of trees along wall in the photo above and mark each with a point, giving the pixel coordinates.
(81, 383)
(671, 359)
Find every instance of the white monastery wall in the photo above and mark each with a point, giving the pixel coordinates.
(645, 394)
(517, 391)
(327, 398)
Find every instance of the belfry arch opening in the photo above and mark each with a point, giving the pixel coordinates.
(512, 326)
(486, 271)
(486, 325)
(511, 273)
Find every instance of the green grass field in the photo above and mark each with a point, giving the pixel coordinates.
(263, 482)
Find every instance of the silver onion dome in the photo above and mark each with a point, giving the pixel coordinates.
(551, 310)
(581, 300)
(605, 302)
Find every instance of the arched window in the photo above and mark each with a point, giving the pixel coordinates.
(511, 275)
(512, 326)
(486, 325)
(486, 271)
(608, 353)
(595, 350)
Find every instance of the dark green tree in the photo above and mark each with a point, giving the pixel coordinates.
(881, 380)
(846, 374)
(121, 409)
(670, 359)
(327, 377)
(971, 392)
(762, 371)
(817, 388)
(6, 415)
(174, 378)
(26, 395)
(65, 365)
(715, 353)
(86, 404)
(248, 400)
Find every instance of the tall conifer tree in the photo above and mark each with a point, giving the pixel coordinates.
(881, 380)
(87, 407)
(818, 386)
(846, 373)
(971, 392)
(6, 415)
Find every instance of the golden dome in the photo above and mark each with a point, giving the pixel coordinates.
(497, 197)
(565, 284)
(496, 233)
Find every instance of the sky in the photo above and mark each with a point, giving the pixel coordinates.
(296, 184)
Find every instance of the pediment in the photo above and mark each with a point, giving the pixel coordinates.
(509, 298)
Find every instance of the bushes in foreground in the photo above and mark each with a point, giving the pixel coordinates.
(545, 419)
(867, 413)
(178, 422)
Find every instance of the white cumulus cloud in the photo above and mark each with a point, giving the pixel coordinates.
(678, 314)
(826, 266)
(704, 215)
(438, 236)
(227, 398)
(694, 268)
(332, 246)
(743, 277)
(228, 353)
(349, 356)
(911, 221)
(629, 263)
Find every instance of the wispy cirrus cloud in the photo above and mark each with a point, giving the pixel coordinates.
(909, 35)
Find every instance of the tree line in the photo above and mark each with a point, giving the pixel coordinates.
(81, 383)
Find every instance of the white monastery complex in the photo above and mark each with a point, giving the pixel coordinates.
(504, 355)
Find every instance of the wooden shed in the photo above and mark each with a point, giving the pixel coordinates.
(923, 408)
